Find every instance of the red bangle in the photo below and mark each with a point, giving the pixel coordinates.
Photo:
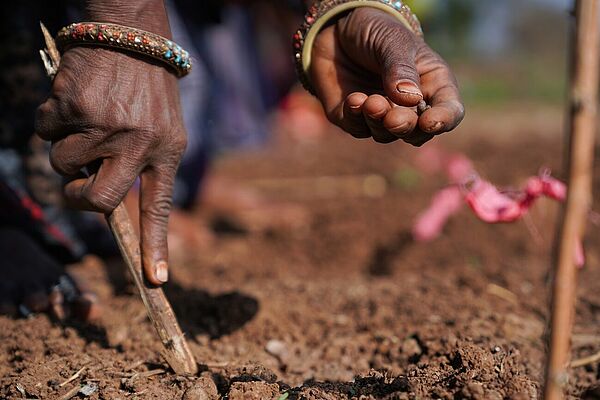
(126, 38)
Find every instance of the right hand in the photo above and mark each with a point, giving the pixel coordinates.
(120, 117)
(370, 71)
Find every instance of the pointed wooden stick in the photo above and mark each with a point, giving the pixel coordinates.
(583, 114)
(175, 348)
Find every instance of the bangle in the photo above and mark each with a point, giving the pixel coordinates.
(322, 12)
(126, 38)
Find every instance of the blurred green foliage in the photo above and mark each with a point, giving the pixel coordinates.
(532, 67)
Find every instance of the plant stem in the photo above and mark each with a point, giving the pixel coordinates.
(582, 130)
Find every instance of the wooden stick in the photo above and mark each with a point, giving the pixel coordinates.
(583, 113)
(175, 348)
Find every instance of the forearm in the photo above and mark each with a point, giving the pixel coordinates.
(149, 15)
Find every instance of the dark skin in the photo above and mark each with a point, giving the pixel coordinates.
(369, 72)
(119, 115)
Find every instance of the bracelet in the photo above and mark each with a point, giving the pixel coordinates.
(318, 15)
(126, 38)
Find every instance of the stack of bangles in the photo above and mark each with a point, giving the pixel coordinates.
(324, 11)
(127, 39)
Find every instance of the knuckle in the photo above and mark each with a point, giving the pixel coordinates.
(45, 123)
(159, 209)
(179, 143)
(83, 107)
(104, 200)
(403, 69)
(60, 161)
(60, 83)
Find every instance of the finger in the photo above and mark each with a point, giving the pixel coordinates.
(155, 206)
(37, 301)
(48, 124)
(401, 122)
(352, 120)
(447, 110)
(57, 304)
(83, 302)
(70, 154)
(86, 307)
(401, 81)
(442, 117)
(103, 190)
(374, 110)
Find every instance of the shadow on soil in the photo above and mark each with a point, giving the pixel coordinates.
(200, 312)
(372, 386)
(385, 254)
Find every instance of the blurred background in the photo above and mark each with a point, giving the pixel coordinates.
(242, 95)
(502, 51)
(509, 57)
(293, 244)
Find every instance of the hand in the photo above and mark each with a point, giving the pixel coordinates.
(120, 117)
(370, 72)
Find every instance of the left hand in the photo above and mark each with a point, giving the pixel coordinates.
(370, 71)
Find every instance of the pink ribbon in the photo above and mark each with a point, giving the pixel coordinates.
(485, 200)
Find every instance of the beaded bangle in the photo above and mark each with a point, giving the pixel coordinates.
(318, 15)
(126, 38)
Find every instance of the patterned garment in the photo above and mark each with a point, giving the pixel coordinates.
(30, 192)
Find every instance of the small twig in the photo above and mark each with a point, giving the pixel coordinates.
(217, 365)
(502, 293)
(585, 360)
(73, 377)
(147, 374)
(71, 393)
(134, 365)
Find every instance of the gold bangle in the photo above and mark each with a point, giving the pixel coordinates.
(318, 15)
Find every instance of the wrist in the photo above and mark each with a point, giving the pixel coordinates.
(149, 15)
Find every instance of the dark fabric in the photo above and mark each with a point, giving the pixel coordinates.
(23, 84)
(19, 211)
(28, 186)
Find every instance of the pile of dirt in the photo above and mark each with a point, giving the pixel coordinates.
(344, 305)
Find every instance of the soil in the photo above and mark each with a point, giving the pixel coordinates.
(341, 304)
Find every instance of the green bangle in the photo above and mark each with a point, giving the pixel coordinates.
(125, 38)
(318, 15)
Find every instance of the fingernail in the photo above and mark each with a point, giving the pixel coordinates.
(161, 271)
(436, 127)
(409, 87)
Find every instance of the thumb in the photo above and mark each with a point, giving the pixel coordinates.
(155, 206)
(397, 54)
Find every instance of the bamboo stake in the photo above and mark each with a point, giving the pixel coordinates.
(175, 348)
(583, 113)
